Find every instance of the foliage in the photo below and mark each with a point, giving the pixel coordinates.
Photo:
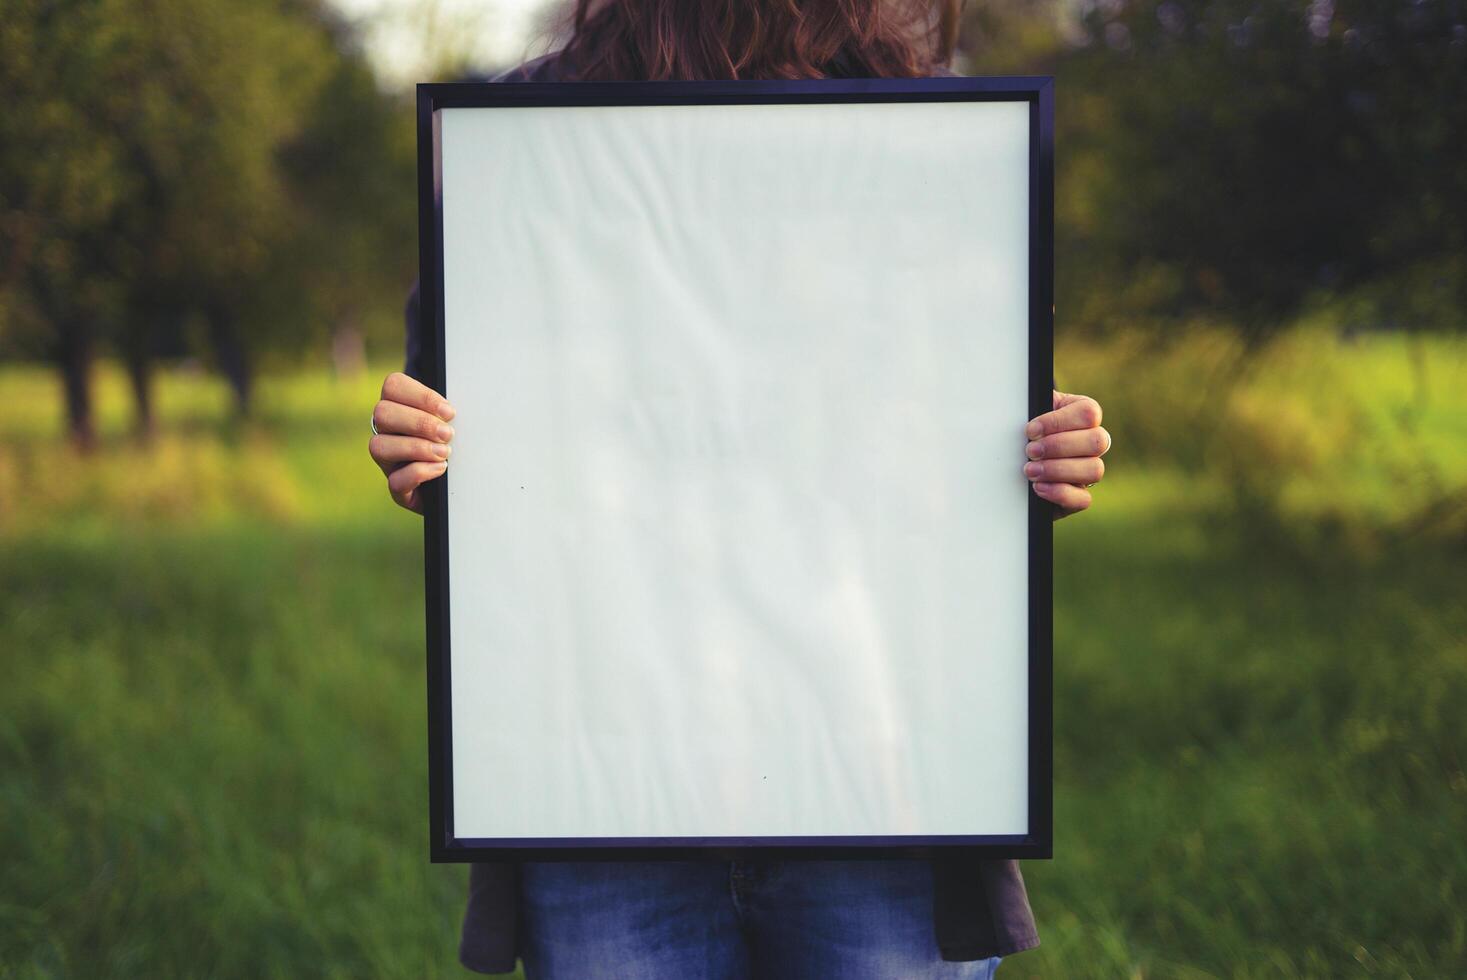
(1251, 159)
(352, 248)
(222, 161)
(1317, 430)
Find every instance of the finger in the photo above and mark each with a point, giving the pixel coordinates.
(404, 481)
(412, 500)
(1070, 412)
(1067, 496)
(395, 418)
(389, 451)
(1061, 445)
(407, 390)
(1082, 471)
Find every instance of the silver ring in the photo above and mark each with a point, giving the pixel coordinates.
(374, 426)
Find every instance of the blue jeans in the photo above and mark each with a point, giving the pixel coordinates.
(771, 920)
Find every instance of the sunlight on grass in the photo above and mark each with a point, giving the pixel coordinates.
(302, 459)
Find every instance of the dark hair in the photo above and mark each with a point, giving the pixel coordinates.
(659, 40)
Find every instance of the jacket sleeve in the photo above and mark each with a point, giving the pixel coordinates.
(413, 359)
(981, 908)
(490, 938)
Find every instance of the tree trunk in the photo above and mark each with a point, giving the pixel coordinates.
(74, 358)
(140, 375)
(233, 359)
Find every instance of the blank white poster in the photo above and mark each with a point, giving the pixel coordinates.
(738, 522)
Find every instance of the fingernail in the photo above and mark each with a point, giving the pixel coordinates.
(445, 411)
(1034, 430)
(1034, 450)
(442, 450)
(445, 433)
(441, 465)
(1032, 470)
(1043, 487)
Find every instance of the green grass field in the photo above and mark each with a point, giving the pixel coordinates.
(212, 733)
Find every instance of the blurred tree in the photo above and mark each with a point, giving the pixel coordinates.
(168, 160)
(206, 92)
(62, 178)
(1011, 37)
(352, 245)
(1245, 156)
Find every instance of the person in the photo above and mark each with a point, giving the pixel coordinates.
(938, 918)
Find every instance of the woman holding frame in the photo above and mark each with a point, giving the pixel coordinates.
(749, 918)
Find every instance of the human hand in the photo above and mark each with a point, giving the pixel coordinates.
(411, 442)
(1064, 450)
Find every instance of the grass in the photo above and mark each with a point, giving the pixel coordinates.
(212, 734)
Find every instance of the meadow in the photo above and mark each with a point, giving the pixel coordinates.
(212, 732)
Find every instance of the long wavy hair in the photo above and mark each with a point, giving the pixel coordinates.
(656, 40)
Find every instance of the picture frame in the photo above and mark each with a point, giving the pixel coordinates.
(523, 224)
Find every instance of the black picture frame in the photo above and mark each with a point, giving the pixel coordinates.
(1038, 93)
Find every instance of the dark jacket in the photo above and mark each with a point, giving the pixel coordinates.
(980, 907)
